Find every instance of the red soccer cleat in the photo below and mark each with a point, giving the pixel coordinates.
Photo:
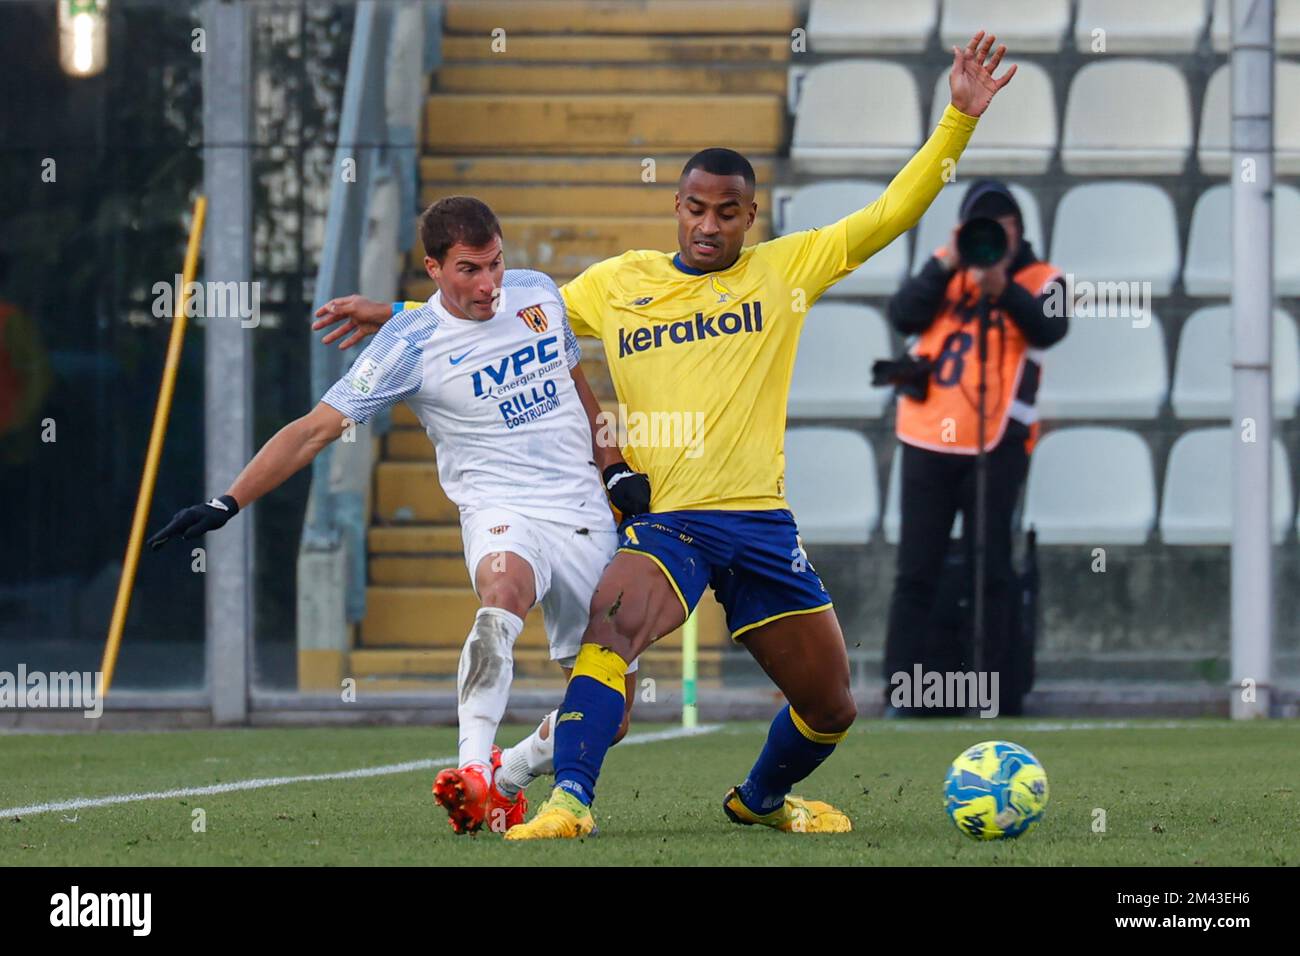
(504, 813)
(463, 793)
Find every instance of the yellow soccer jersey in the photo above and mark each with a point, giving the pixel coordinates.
(701, 362)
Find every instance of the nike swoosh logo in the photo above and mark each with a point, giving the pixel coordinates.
(454, 360)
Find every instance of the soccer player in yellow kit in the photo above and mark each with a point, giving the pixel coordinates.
(713, 329)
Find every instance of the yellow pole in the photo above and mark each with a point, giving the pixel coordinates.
(161, 413)
(690, 657)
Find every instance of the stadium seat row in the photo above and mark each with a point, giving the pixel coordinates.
(1105, 368)
(1086, 486)
(1137, 221)
(1040, 26)
(1123, 117)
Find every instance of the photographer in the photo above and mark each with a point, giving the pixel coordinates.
(938, 422)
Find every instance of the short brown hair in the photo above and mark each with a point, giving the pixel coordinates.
(456, 219)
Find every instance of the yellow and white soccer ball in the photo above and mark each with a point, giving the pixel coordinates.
(995, 790)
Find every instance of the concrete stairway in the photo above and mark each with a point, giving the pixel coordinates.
(573, 124)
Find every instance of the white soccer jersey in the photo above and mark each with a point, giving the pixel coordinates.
(496, 398)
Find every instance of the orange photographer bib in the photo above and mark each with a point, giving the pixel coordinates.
(948, 419)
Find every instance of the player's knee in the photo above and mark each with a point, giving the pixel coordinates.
(832, 716)
(614, 625)
(508, 594)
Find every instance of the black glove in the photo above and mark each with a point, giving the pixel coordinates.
(197, 520)
(628, 490)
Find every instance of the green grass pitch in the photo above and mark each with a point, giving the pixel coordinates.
(1174, 793)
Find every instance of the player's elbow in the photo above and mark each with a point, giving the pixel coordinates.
(319, 427)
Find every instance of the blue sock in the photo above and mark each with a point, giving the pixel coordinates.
(790, 754)
(588, 720)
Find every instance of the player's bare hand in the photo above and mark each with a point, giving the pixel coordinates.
(972, 82)
(949, 257)
(992, 281)
(355, 316)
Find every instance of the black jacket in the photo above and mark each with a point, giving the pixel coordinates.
(916, 303)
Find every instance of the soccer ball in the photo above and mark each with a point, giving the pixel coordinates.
(995, 790)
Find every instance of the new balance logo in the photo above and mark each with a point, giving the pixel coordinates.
(644, 300)
(688, 330)
(569, 715)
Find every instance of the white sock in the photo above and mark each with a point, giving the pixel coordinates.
(529, 759)
(483, 682)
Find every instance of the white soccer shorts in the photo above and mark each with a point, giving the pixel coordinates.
(567, 563)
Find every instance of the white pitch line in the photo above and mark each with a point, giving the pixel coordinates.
(259, 783)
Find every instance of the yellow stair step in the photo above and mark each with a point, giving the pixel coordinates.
(600, 122)
(634, 199)
(409, 491)
(430, 617)
(440, 616)
(528, 663)
(442, 539)
(568, 244)
(620, 16)
(403, 417)
(407, 444)
(475, 171)
(737, 48)
(629, 78)
(420, 287)
(435, 570)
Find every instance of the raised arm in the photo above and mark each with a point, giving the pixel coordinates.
(972, 86)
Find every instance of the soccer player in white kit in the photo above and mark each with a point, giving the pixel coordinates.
(490, 367)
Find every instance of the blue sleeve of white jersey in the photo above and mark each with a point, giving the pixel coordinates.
(571, 349)
(388, 371)
(532, 279)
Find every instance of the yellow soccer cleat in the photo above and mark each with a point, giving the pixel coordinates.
(562, 817)
(796, 815)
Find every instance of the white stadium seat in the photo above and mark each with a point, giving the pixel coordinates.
(1286, 26)
(1149, 26)
(832, 370)
(893, 522)
(1197, 500)
(1214, 150)
(1019, 136)
(1117, 232)
(1208, 269)
(830, 483)
(876, 129)
(1092, 486)
(871, 26)
(935, 228)
(1203, 368)
(820, 204)
(1105, 368)
(1127, 117)
(1025, 26)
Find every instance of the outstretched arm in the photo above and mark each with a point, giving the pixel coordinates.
(973, 86)
(291, 448)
